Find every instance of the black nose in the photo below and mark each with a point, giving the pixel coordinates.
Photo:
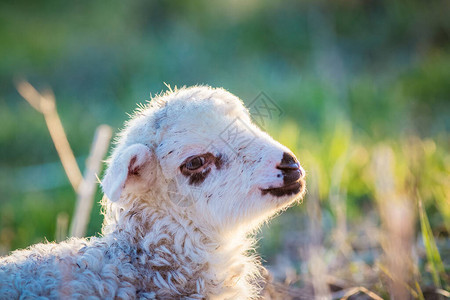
(290, 168)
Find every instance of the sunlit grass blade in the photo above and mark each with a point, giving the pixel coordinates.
(419, 291)
(433, 256)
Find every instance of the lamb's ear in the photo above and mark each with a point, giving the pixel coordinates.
(133, 170)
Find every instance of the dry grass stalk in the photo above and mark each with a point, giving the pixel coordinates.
(86, 191)
(337, 199)
(84, 186)
(397, 217)
(347, 293)
(46, 105)
(316, 263)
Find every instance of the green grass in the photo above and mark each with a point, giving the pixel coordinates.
(433, 257)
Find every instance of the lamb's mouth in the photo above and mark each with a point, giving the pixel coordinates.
(294, 188)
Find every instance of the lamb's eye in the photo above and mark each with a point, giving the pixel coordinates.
(195, 163)
(198, 164)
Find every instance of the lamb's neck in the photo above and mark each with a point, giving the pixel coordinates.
(219, 262)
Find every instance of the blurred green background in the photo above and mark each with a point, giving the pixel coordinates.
(348, 76)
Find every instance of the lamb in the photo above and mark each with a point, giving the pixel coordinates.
(190, 180)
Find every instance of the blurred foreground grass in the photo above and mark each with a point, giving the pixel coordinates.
(364, 91)
(363, 221)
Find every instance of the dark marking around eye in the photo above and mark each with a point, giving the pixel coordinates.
(197, 178)
(218, 162)
(197, 175)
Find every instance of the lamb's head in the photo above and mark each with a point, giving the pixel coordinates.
(196, 150)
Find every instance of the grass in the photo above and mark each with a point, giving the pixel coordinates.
(367, 225)
(434, 260)
(363, 87)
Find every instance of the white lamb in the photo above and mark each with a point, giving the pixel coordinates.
(189, 181)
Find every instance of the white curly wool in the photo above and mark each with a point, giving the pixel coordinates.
(189, 181)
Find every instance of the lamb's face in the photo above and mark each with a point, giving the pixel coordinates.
(215, 162)
(220, 163)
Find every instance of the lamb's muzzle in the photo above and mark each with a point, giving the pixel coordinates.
(293, 178)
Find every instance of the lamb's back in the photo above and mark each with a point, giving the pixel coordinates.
(38, 270)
